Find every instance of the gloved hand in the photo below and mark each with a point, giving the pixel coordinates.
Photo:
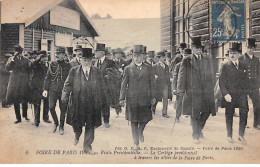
(228, 98)
(45, 93)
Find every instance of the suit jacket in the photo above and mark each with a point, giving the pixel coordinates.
(253, 70)
(233, 81)
(74, 62)
(71, 92)
(195, 80)
(138, 88)
(162, 80)
(175, 76)
(18, 86)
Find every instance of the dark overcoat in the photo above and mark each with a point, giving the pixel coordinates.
(195, 80)
(138, 88)
(18, 86)
(162, 80)
(74, 62)
(4, 79)
(233, 81)
(71, 91)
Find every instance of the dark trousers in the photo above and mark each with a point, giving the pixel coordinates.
(53, 98)
(105, 112)
(118, 109)
(17, 110)
(254, 96)
(198, 124)
(37, 110)
(178, 105)
(88, 138)
(242, 104)
(137, 129)
(164, 100)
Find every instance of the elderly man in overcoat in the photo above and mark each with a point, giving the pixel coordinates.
(18, 86)
(195, 84)
(84, 90)
(138, 88)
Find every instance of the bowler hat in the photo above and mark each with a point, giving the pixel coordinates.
(42, 52)
(78, 47)
(187, 51)
(151, 54)
(144, 49)
(234, 46)
(196, 41)
(18, 48)
(251, 42)
(100, 47)
(138, 49)
(60, 49)
(118, 50)
(161, 53)
(87, 53)
(70, 49)
(183, 45)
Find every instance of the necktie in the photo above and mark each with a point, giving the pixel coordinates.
(86, 74)
(236, 65)
(99, 63)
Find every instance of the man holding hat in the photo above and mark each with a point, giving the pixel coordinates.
(40, 68)
(104, 65)
(53, 84)
(76, 60)
(86, 86)
(179, 97)
(138, 88)
(253, 73)
(233, 83)
(195, 84)
(18, 86)
(162, 78)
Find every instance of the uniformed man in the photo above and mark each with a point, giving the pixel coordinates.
(179, 97)
(53, 84)
(195, 84)
(86, 86)
(253, 73)
(163, 85)
(138, 88)
(18, 86)
(76, 60)
(104, 64)
(233, 83)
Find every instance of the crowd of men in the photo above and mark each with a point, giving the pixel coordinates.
(89, 83)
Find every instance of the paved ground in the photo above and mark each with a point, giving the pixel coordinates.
(24, 143)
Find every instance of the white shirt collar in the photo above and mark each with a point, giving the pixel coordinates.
(234, 62)
(139, 65)
(251, 56)
(102, 59)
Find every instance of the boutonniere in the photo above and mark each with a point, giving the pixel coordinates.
(123, 65)
(244, 71)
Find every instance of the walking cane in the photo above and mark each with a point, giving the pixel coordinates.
(173, 125)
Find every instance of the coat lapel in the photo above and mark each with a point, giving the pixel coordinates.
(104, 65)
(143, 69)
(134, 70)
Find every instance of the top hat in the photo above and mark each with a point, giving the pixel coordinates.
(100, 47)
(78, 47)
(70, 49)
(18, 48)
(144, 50)
(187, 51)
(118, 50)
(234, 46)
(161, 53)
(183, 45)
(196, 41)
(151, 54)
(60, 49)
(138, 49)
(87, 53)
(42, 52)
(251, 42)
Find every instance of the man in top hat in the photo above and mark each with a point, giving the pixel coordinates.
(69, 54)
(76, 60)
(118, 59)
(195, 84)
(138, 88)
(105, 65)
(253, 73)
(40, 68)
(150, 58)
(179, 97)
(18, 86)
(4, 75)
(53, 84)
(178, 54)
(233, 83)
(162, 78)
(86, 86)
